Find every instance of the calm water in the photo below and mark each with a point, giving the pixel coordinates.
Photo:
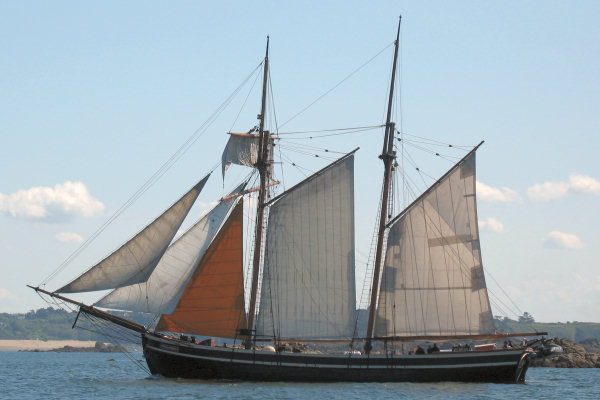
(108, 376)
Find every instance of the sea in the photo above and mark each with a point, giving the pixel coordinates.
(49, 375)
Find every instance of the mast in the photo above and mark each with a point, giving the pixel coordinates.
(388, 155)
(262, 166)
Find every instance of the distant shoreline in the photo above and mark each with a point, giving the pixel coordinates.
(42, 345)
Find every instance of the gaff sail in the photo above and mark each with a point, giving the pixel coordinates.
(433, 281)
(308, 287)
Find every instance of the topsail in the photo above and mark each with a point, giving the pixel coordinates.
(242, 149)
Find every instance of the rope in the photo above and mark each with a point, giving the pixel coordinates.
(153, 179)
(337, 85)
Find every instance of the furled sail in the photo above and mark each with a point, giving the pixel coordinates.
(212, 303)
(433, 281)
(135, 260)
(161, 292)
(242, 149)
(308, 287)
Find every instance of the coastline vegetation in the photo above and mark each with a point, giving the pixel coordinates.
(56, 324)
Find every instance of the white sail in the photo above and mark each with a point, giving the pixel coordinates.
(242, 149)
(433, 282)
(135, 260)
(308, 287)
(162, 290)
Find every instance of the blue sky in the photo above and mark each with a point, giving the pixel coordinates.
(95, 97)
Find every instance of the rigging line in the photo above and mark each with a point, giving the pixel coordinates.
(309, 147)
(308, 150)
(368, 127)
(450, 159)
(270, 87)
(437, 142)
(498, 307)
(424, 142)
(330, 134)
(302, 170)
(306, 153)
(337, 84)
(432, 152)
(104, 333)
(152, 180)
(313, 148)
(496, 299)
(247, 96)
(500, 287)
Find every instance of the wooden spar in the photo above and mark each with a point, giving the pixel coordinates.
(249, 135)
(387, 155)
(425, 193)
(319, 172)
(406, 339)
(134, 326)
(445, 338)
(263, 170)
(251, 190)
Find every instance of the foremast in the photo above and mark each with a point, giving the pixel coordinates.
(388, 156)
(263, 170)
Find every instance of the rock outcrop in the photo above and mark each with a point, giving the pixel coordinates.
(574, 356)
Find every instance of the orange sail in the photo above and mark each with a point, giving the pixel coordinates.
(212, 303)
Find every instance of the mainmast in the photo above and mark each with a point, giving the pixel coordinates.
(263, 170)
(388, 155)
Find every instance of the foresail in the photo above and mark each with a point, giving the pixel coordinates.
(433, 281)
(161, 292)
(212, 303)
(135, 260)
(308, 287)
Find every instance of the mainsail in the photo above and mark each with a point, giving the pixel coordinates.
(161, 292)
(135, 260)
(308, 287)
(433, 281)
(212, 303)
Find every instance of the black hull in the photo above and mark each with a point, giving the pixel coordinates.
(176, 359)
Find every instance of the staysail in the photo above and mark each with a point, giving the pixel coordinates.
(161, 292)
(135, 260)
(433, 281)
(212, 303)
(308, 287)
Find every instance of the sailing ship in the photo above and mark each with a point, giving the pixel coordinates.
(428, 283)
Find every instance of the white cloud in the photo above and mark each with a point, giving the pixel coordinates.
(584, 184)
(68, 237)
(491, 224)
(561, 240)
(206, 206)
(495, 195)
(63, 201)
(6, 294)
(544, 192)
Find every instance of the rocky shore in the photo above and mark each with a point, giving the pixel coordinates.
(99, 347)
(574, 356)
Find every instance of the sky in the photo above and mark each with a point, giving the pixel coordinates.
(96, 96)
